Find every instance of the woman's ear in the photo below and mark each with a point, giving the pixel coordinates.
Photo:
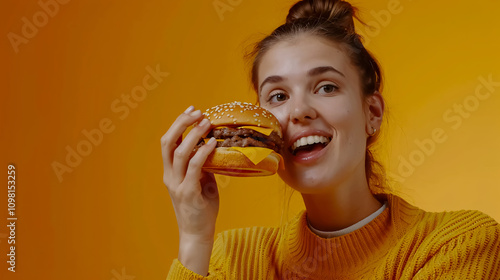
(374, 112)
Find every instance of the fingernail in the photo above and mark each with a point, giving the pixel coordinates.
(189, 109)
(195, 113)
(211, 141)
(204, 122)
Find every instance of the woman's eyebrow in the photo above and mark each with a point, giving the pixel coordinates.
(322, 69)
(271, 79)
(312, 72)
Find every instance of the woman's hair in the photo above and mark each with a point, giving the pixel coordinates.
(334, 21)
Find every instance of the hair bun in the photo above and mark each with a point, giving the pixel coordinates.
(338, 12)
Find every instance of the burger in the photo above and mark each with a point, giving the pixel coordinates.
(249, 140)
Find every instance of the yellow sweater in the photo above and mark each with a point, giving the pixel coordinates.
(403, 242)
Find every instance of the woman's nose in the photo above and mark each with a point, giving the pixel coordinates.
(302, 110)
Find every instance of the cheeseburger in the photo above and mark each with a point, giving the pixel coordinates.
(249, 140)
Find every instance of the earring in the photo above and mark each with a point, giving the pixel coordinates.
(373, 133)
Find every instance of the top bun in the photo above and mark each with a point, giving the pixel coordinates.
(242, 113)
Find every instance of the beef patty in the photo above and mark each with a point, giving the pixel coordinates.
(244, 137)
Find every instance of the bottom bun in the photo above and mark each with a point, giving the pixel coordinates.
(227, 161)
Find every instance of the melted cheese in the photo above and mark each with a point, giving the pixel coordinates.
(208, 139)
(264, 130)
(254, 154)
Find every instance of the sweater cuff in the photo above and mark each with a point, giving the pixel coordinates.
(178, 271)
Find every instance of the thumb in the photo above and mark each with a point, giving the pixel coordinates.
(209, 185)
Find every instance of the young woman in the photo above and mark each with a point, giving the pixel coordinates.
(315, 76)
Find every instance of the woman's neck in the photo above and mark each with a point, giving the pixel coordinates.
(340, 207)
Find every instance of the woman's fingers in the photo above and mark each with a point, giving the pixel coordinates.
(173, 137)
(193, 172)
(184, 150)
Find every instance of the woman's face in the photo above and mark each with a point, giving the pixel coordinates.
(310, 85)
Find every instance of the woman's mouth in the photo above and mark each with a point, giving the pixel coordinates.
(308, 148)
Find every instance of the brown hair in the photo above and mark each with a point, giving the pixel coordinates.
(332, 20)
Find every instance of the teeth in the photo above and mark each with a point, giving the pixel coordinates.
(309, 140)
(303, 141)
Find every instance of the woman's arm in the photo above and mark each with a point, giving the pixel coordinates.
(194, 193)
(217, 261)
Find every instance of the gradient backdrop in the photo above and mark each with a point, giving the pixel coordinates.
(73, 68)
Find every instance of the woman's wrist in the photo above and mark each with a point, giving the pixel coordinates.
(195, 252)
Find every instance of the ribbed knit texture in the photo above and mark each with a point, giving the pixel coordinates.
(403, 242)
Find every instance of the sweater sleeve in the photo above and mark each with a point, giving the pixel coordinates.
(471, 255)
(180, 272)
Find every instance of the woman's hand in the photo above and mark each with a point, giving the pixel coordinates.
(194, 193)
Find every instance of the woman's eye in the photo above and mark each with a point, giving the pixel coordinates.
(277, 97)
(327, 89)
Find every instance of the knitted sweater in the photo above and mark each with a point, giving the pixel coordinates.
(403, 242)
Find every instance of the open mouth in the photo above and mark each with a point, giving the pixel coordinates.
(308, 144)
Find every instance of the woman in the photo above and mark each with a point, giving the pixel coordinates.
(315, 76)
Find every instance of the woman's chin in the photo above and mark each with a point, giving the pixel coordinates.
(307, 181)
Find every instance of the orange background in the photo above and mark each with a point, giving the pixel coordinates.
(111, 216)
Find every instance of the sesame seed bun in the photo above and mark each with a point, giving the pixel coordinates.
(231, 162)
(242, 113)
